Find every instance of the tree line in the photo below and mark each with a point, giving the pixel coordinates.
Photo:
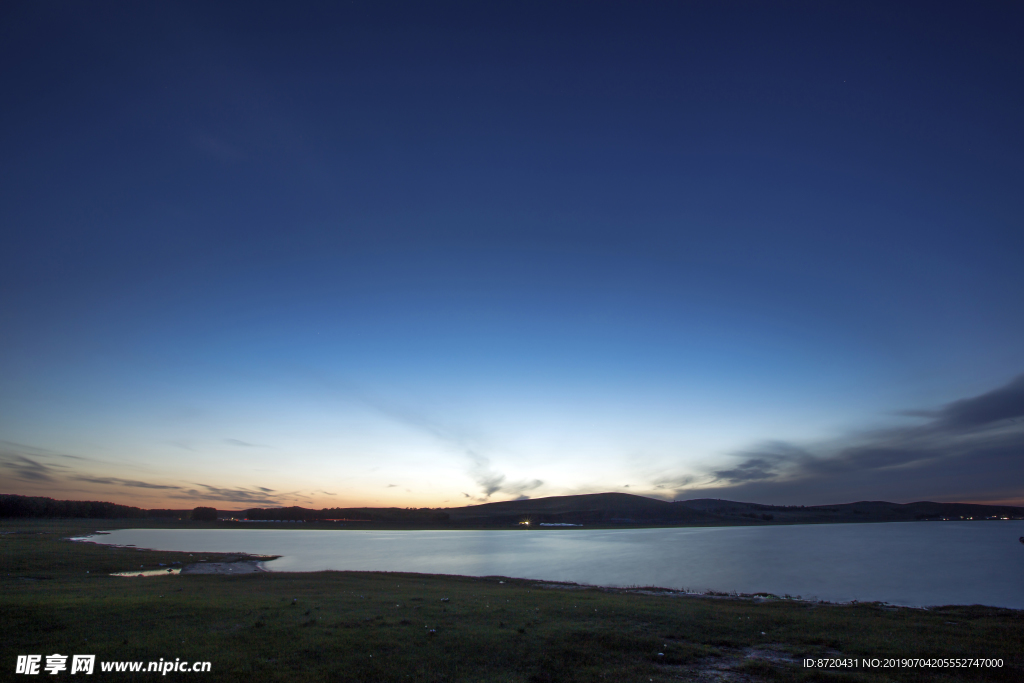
(36, 506)
(12, 505)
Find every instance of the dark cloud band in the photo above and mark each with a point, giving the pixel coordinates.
(970, 449)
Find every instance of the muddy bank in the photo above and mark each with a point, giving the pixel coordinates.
(237, 567)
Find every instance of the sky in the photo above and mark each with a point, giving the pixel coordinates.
(431, 254)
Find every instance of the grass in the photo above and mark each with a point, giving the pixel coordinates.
(361, 626)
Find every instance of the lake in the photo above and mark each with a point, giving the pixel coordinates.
(907, 563)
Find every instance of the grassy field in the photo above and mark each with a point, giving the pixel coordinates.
(58, 597)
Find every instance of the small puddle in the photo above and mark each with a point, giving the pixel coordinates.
(149, 572)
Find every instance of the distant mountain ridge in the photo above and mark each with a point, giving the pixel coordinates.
(862, 511)
(605, 508)
(586, 509)
(592, 508)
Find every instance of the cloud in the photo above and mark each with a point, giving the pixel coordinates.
(1002, 404)
(390, 486)
(122, 482)
(243, 444)
(675, 481)
(755, 468)
(479, 466)
(521, 486)
(487, 479)
(970, 449)
(13, 448)
(491, 482)
(28, 469)
(257, 496)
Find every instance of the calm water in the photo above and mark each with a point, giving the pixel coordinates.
(915, 563)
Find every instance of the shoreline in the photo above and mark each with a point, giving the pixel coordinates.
(254, 564)
(394, 627)
(757, 595)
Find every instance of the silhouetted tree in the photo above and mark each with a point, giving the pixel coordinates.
(34, 506)
(204, 515)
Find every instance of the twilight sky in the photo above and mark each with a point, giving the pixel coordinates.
(433, 253)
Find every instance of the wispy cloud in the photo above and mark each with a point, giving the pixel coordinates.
(31, 469)
(27, 469)
(967, 448)
(243, 444)
(479, 466)
(13, 448)
(254, 496)
(492, 482)
(114, 481)
(1005, 404)
(20, 447)
(40, 468)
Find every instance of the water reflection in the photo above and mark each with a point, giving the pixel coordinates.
(150, 572)
(915, 563)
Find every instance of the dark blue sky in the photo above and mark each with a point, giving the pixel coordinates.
(426, 253)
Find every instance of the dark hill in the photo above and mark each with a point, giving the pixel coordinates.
(594, 508)
(589, 509)
(863, 511)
